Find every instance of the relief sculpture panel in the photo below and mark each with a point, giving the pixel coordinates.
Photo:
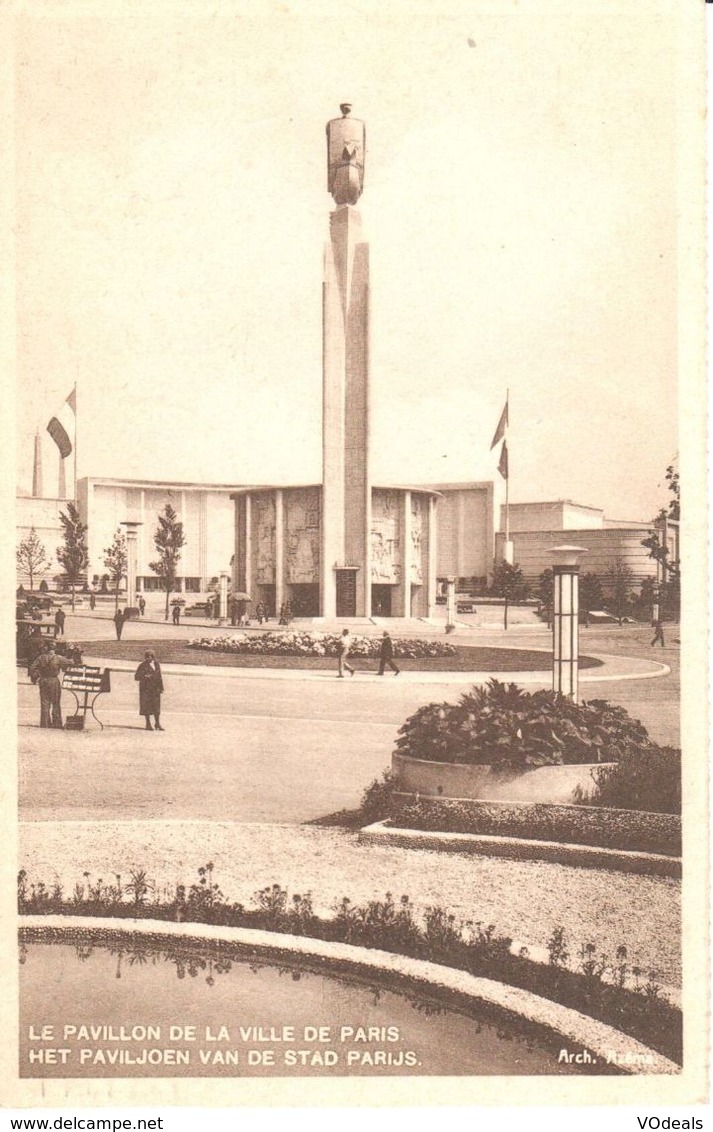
(265, 539)
(386, 553)
(302, 536)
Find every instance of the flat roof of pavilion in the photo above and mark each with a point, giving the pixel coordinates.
(421, 489)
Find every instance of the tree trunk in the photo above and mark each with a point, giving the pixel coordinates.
(505, 615)
(31, 577)
(72, 585)
(116, 594)
(168, 594)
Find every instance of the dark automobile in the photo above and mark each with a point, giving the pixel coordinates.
(30, 636)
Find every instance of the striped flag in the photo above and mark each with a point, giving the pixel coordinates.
(502, 426)
(503, 461)
(64, 424)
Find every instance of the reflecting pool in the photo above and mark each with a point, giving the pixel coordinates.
(141, 1007)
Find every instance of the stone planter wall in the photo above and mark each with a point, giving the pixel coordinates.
(460, 780)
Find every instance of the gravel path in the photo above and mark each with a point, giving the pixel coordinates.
(524, 899)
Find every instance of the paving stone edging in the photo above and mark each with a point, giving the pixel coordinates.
(562, 853)
(576, 1028)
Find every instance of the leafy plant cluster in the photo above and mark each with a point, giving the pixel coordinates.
(320, 644)
(643, 779)
(596, 986)
(617, 971)
(503, 726)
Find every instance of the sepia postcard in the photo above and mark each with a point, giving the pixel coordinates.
(356, 530)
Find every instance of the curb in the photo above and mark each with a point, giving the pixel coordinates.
(540, 677)
(556, 852)
(601, 1040)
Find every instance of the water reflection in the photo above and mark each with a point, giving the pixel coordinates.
(122, 982)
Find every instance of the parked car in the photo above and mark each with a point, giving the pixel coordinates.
(30, 636)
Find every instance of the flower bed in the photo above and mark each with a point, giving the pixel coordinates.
(609, 828)
(320, 644)
(610, 988)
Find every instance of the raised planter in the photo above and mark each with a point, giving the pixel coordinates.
(464, 780)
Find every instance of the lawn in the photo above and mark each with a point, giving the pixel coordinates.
(466, 658)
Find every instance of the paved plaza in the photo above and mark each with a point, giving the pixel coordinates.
(271, 745)
(249, 756)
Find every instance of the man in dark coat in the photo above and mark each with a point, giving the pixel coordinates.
(119, 623)
(45, 672)
(386, 656)
(150, 681)
(59, 623)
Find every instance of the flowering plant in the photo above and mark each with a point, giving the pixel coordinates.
(298, 643)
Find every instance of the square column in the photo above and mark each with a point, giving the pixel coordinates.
(406, 554)
(431, 558)
(279, 550)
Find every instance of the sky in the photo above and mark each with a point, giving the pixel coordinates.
(520, 201)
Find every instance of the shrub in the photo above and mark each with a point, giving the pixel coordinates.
(652, 832)
(376, 801)
(501, 725)
(646, 779)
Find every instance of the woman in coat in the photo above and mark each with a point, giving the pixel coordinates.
(150, 681)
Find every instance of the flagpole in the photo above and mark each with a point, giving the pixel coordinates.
(76, 501)
(507, 481)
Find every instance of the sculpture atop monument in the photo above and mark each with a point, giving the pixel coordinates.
(346, 142)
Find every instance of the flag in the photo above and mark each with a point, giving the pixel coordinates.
(503, 461)
(502, 425)
(64, 424)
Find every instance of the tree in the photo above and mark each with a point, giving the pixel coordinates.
(546, 592)
(590, 593)
(508, 583)
(168, 540)
(656, 542)
(115, 559)
(31, 556)
(73, 555)
(620, 578)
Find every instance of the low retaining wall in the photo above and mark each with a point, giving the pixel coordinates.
(464, 780)
(523, 849)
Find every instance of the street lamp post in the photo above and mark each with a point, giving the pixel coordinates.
(656, 603)
(131, 559)
(450, 604)
(223, 597)
(565, 620)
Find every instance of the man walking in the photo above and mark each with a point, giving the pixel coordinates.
(344, 644)
(45, 672)
(658, 633)
(176, 614)
(142, 605)
(59, 618)
(386, 656)
(118, 623)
